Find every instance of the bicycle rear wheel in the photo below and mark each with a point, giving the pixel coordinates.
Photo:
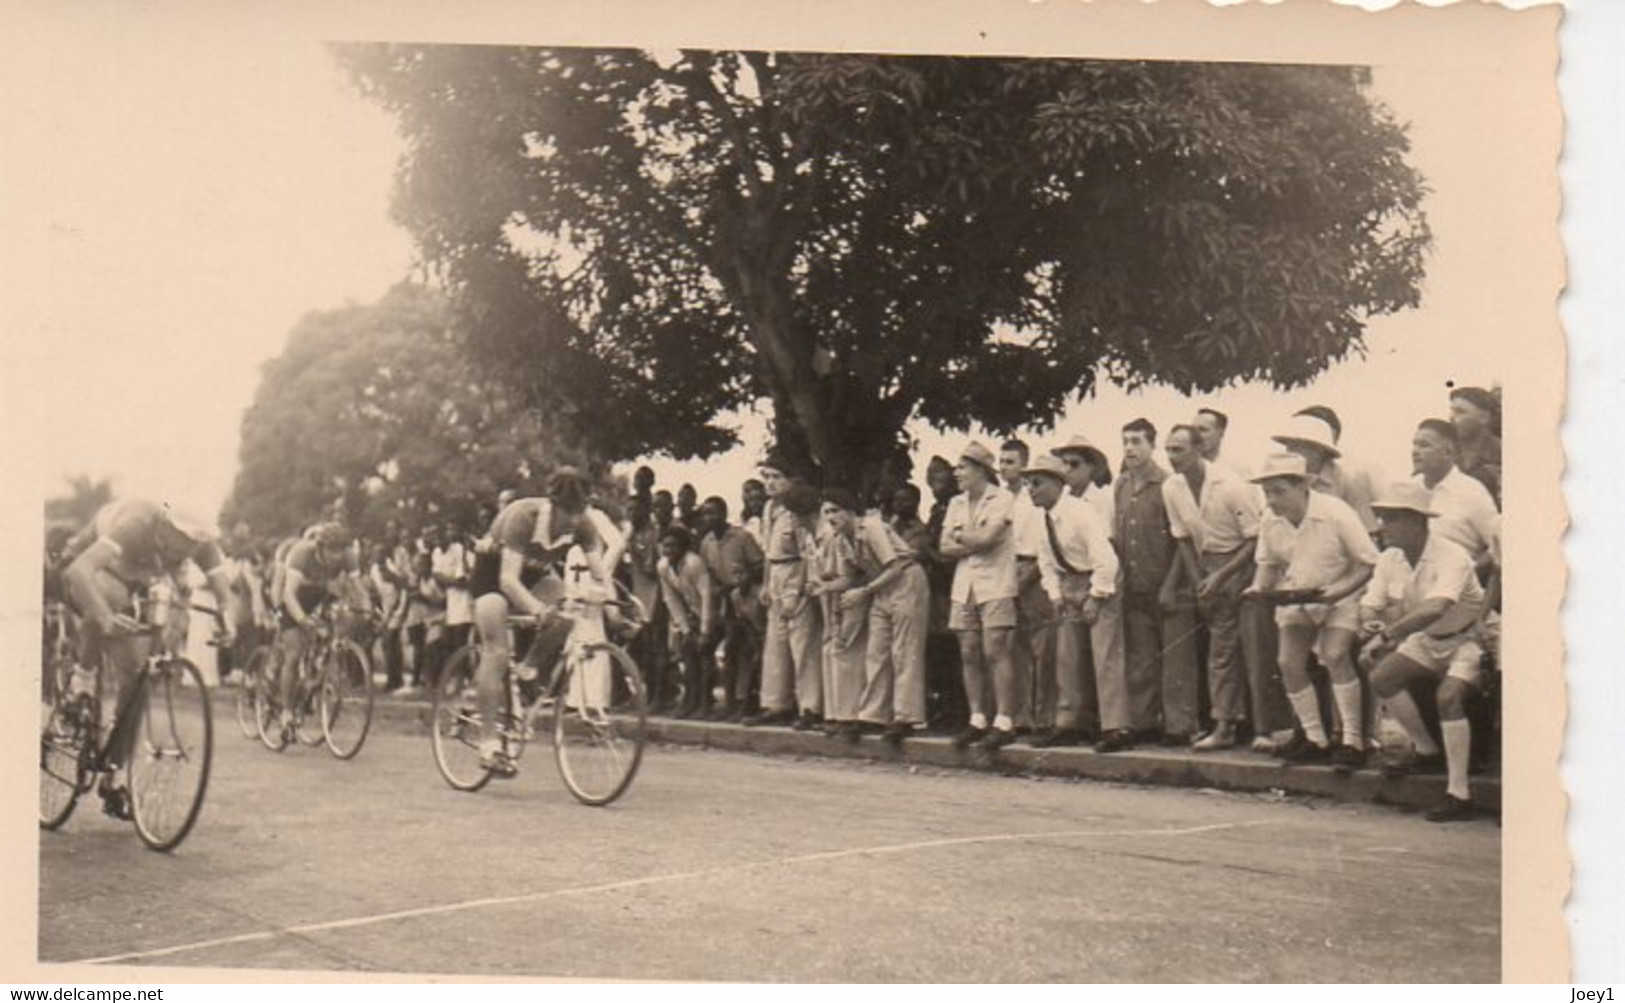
(252, 678)
(600, 723)
(346, 699)
(454, 726)
(169, 764)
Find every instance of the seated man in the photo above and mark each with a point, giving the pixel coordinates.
(1420, 616)
(132, 545)
(1315, 546)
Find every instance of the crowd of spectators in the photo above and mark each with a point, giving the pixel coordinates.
(1050, 597)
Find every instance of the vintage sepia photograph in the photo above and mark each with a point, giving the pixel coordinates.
(1044, 496)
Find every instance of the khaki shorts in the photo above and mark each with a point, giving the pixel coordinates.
(990, 615)
(1457, 656)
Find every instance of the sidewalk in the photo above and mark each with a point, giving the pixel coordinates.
(1231, 771)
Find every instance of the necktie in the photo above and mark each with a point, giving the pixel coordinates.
(1055, 546)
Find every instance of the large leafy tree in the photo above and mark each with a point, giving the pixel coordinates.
(373, 412)
(643, 240)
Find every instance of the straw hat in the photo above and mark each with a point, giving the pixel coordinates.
(1283, 465)
(1047, 463)
(983, 457)
(1081, 445)
(1406, 496)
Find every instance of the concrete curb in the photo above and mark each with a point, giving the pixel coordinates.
(1230, 771)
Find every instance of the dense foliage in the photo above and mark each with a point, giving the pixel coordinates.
(639, 241)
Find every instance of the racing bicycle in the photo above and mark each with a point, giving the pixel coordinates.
(592, 707)
(167, 706)
(332, 694)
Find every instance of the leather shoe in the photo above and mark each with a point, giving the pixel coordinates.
(998, 738)
(806, 721)
(1115, 741)
(1347, 759)
(769, 717)
(1451, 809)
(968, 736)
(1301, 750)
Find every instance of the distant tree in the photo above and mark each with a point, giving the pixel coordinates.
(372, 410)
(641, 241)
(86, 496)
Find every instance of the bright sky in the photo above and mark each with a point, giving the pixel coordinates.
(189, 203)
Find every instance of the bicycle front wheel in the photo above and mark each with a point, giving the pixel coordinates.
(268, 701)
(600, 723)
(250, 680)
(454, 726)
(169, 766)
(346, 699)
(64, 739)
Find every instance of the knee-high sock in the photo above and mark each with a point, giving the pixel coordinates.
(1458, 746)
(1347, 696)
(1307, 706)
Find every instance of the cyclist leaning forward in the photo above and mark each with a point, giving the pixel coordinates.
(130, 546)
(517, 574)
(309, 571)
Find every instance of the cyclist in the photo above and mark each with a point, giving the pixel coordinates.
(516, 575)
(132, 545)
(309, 574)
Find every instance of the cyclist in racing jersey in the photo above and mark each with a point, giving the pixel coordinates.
(131, 545)
(517, 574)
(313, 566)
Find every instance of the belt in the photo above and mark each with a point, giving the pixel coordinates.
(784, 560)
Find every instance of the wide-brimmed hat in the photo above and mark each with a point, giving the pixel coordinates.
(1406, 496)
(1081, 445)
(982, 456)
(1307, 430)
(1282, 465)
(1047, 463)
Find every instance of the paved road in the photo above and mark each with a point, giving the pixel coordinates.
(723, 866)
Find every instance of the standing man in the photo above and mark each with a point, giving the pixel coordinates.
(643, 560)
(1211, 426)
(1466, 512)
(899, 601)
(735, 562)
(977, 533)
(946, 706)
(1088, 476)
(1032, 651)
(686, 589)
(1159, 624)
(792, 665)
(452, 562)
(688, 512)
(752, 499)
(1080, 574)
(1213, 514)
(1476, 413)
(1313, 544)
(1313, 435)
(1418, 621)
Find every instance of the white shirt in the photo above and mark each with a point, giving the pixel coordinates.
(1026, 523)
(1083, 541)
(1321, 550)
(1221, 520)
(1444, 571)
(1467, 514)
(451, 561)
(989, 574)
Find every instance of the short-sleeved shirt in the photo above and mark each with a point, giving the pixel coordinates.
(879, 545)
(525, 523)
(1223, 519)
(989, 574)
(733, 558)
(1322, 549)
(788, 544)
(1444, 571)
(130, 525)
(1466, 514)
(687, 591)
